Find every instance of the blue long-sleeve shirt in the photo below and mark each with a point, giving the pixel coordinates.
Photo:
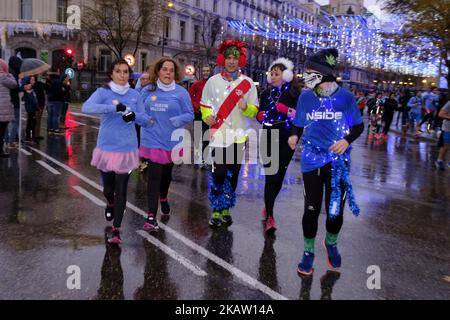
(115, 134)
(169, 110)
(415, 103)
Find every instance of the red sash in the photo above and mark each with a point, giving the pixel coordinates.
(230, 102)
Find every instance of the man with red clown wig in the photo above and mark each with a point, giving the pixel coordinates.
(229, 101)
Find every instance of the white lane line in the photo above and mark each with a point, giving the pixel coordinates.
(25, 152)
(84, 115)
(46, 166)
(95, 127)
(170, 252)
(175, 255)
(80, 123)
(235, 271)
(90, 196)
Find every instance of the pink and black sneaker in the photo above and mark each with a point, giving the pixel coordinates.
(151, 224)
(264, 214)
(114, 236)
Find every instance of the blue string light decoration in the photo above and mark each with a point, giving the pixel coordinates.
(271, 115)
(361, 40)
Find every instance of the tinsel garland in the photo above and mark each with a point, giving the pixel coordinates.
(340, 175)
(221, 196)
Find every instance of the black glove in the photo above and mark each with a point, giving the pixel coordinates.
(130, 116)
(121, 107)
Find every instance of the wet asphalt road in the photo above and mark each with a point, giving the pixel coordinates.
(51, 220)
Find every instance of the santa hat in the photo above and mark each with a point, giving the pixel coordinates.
(288, 73)
(232, 47)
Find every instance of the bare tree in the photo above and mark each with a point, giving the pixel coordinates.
(211, 30)
(121, 24)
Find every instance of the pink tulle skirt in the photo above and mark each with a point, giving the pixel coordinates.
(160, 156)
(119, 162)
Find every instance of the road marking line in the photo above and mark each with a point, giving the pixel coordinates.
(77, 122)
(25, 152)
(84, 115)
(232, 269)
(95, 127)
(46, 166)
(169, 251)
(175, 255)
(90, 196)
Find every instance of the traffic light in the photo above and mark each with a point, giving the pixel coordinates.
(69, 56)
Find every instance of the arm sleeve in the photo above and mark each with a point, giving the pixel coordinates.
(142, 118)
(205, 102)
(296, 131)
(252, 103)
(10, 82)
(355, 132)
(94, 105)
(187, 114)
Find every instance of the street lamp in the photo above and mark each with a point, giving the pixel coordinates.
(169, 5)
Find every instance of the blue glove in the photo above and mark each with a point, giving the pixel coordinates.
(176, 121)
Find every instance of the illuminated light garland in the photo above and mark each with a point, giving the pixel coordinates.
(358, 38)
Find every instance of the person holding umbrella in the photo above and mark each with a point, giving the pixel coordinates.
(11, 136)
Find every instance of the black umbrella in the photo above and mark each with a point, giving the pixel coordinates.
(32, 66)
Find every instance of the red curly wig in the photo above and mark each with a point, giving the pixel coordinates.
(232, 43)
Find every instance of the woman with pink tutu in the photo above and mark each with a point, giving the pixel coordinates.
(116, 153)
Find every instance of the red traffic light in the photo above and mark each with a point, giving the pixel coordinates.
(69, 51)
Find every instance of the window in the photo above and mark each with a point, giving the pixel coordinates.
(197, 3)
(105, 60)
(196, 34)
(215, 6)
(143, 61)
(167, 27)
(182, 30)
(26, 10)
(61, 11)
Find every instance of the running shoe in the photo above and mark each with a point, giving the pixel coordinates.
(440, 165)
(114, 236)
(333, 256)
(305, 267)
(165, 207)
(216, 219)
(151, 224)
(109, 212)
(269, 224)
(226, 216)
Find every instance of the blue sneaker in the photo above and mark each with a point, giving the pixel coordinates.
(305, 266)
(333, 256)
(448, 164)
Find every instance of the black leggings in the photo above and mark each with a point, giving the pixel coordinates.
(158, 183)
(234, 153)
(387, 122)
(31, 126)
(3, 126)
(428, 117)
(314, 182)
(115, 191)
(274, 182)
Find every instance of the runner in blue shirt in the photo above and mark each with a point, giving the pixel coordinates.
(330, 121)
